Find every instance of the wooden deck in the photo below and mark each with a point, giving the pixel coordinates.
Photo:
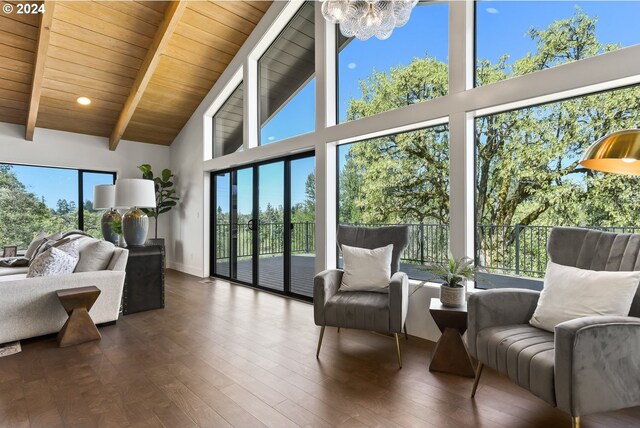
(221, 355)
(271, 274)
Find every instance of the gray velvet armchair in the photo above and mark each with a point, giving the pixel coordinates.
(587, 365)
(364, 310)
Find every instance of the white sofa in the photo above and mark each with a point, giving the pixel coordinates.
(29, 307)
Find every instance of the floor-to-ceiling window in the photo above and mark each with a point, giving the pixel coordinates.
(400, 179)
(35, 198)
(493, 101)
(263, 225)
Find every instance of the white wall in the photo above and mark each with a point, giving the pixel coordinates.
(67, 149)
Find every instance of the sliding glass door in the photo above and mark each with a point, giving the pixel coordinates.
(263, 225)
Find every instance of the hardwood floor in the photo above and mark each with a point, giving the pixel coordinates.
(225, 355)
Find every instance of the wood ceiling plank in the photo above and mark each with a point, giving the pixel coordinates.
(18, 28)
(94, 23)
(86, 116)
(94, 73)
(82, 82)
(101, 40)
(168, 63)
(148, 138)
(23, 18)
(69, 124)
(158, 6)
(260, 5)
(44, 33)
(17, 66)
(169, 83)
(17, 41)
(187, 79)
(77, 91)
(141, 125)
(8, 94)
(15, 76)
(137, 10)
(167, 119)
(242, 9)
(197, 48)
(107, 21)
(193, 84)
(19, 106)
(77, 58)
(206, 23)
(65, 100)
(88, 49)
(174, 51)
(25, 88)
(223, 17)
(160, 42)
(204, 36)
(17, 54)
(11, 115)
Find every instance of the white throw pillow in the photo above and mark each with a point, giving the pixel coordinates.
(571, 293)
(95, 256)
(52, 262)
(366, 270)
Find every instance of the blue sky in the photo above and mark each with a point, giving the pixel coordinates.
(58, 183)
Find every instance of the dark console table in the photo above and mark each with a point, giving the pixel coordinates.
(144, 282)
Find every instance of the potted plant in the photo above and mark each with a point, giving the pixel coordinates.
(116, 226)
(453, 273)
(166, 197)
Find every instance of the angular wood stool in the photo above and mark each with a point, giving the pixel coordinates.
(79, 328)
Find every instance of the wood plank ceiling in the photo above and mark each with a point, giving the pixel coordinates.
(145, 65)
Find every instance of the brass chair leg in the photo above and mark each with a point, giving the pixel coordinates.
(575, 422)
(398, 349)
(406, 336)
(320, 341)
(475, 382)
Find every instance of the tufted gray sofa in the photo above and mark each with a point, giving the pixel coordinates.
(589, 364)
(364, 310)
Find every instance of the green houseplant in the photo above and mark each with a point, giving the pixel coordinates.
(166, 197)
(453, 273)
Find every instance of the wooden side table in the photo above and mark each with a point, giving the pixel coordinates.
(79, 328)
(451, 354)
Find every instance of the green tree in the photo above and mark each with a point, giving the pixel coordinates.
(527, 169)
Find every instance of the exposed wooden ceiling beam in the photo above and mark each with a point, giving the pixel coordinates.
(38, 68)
(161, 40)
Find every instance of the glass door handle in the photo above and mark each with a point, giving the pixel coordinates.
(250, 223)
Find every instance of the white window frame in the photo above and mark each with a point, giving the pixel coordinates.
(459, 109)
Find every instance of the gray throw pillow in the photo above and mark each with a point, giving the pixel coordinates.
(48, 243)
(52, 262)
(95, 256)
(33, 246)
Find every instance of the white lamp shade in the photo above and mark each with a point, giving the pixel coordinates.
(135, 192)
(104, 196)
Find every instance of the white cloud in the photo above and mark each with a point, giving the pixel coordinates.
(492, 10)
(351, 65)
(271, 138)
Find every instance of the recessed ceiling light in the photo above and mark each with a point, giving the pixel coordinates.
(84, 101)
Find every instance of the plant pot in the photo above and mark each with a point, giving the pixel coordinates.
(453, 297)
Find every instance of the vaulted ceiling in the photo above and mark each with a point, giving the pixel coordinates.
(145, 65)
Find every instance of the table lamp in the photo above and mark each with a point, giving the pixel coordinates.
(104, 198)
(135, 193)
